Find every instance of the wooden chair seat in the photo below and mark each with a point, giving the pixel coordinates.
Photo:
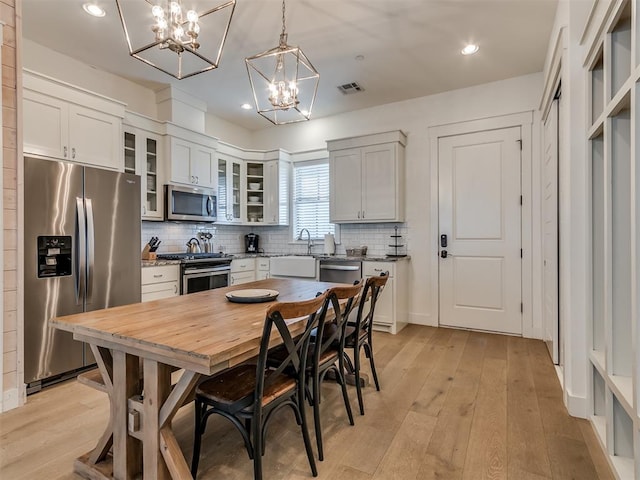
(350, 336)
(233, 389)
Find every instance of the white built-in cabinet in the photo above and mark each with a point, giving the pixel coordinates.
(143, 155)
(242, 271)
(262, 268)
(367, 178)
(230, 171)
(613, 78)
(253, 186)
(160, 282)
(192, 157)
(68, 123)
(391, 314)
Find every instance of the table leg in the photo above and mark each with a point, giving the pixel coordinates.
(127, 451)
(163, 458)
(157, 386)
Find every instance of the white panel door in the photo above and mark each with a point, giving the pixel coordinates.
(550, 232)
(346, 185)
(181, 162)
(379, 182)
(479, 212)
(95, 138)
(203, 164)
(46, 125)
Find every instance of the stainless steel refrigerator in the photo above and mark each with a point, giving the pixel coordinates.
(82, 253)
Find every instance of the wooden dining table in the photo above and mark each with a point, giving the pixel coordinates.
(137, 347)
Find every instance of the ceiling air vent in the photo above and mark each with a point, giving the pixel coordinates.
(349, 88)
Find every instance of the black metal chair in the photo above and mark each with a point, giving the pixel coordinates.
(359, 333)
(329, 351)
(248, 395)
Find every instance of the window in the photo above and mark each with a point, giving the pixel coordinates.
(311, 199)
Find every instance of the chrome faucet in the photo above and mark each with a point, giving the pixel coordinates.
(309, 242)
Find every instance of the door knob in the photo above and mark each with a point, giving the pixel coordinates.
(443, 254)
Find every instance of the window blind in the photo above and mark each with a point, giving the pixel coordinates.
(311, 199)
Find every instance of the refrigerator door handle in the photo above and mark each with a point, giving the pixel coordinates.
(90, 249)
(80, 250)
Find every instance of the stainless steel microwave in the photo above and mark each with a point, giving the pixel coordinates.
(190, 204)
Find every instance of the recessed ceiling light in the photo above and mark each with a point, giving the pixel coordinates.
(93, 9)
(470, 49)
(245, 106)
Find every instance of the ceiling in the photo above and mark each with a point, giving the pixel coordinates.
(411, 48)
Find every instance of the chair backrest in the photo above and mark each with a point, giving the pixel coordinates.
(370, 294)
(315, 311)
(332, 332)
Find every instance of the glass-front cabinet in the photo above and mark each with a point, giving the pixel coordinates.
(142, 157)
(255, 192)
(230, 189)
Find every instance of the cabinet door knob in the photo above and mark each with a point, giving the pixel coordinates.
(362, 213)
(144, 210)
(175, 289)
(197, 179)
(65, 152)
(358, 214)
(73, 152)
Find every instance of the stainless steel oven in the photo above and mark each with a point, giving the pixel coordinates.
(201, 271)
(198, 277)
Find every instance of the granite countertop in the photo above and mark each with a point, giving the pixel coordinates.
(159, 263)
(368, 258)
(240, 256)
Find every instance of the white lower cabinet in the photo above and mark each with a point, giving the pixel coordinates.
(160, 282)
(243, 271)
(392, 308)
(262, 269)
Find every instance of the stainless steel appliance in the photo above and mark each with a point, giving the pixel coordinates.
(340, 271)
(201, 271)
(190, 204)
(81, 244)
(251, 241)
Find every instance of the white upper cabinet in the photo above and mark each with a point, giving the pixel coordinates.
(192, 157)
(65, 122)
(277, 179)
(367, 178)
(253, 186)
(230, 171)
(143, 156)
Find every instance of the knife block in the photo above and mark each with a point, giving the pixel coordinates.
(147, 254)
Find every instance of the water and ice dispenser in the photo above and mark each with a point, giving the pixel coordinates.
(54, 256)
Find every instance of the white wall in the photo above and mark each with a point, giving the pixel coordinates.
(49, 62)
(414, 117)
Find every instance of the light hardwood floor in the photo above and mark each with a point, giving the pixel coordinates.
(453, 405)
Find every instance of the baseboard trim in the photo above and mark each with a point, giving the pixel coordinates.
(10, 399)
(422, 319)
(576, 406)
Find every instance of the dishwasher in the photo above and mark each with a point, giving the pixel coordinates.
(340, 271)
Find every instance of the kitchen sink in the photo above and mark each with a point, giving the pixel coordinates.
(293, 266)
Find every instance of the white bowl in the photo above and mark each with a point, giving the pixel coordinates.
(254, 199)
(254, 186)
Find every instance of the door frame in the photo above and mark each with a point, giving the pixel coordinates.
(524, 120)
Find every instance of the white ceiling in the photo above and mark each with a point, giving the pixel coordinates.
(411, 48)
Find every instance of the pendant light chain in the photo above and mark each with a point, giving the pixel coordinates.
(283, 29)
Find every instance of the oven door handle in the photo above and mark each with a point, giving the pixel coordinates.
(205, 272)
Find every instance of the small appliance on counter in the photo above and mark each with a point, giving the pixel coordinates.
(396, 247)
(329, 244)
(251, 241)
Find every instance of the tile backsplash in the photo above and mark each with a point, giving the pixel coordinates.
(230, 238)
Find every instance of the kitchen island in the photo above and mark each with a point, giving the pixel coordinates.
(201, 333)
